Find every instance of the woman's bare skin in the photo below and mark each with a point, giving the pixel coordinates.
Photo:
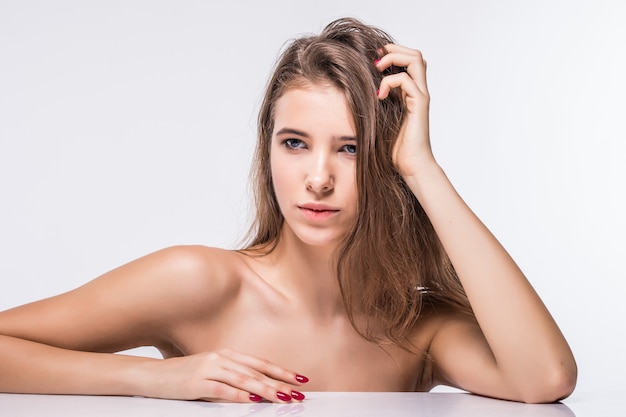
(238, 327)
(178, 301)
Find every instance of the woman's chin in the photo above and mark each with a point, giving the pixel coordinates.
(319, 240)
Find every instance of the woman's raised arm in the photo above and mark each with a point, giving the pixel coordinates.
(516, 351)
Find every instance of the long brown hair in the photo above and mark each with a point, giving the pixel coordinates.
(391, 262)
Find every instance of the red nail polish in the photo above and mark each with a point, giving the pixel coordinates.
(283, 397)
(302, 379)
(296, 395)
(377, 61)
(255, 398)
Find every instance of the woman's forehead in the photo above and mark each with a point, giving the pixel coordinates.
(315, 108)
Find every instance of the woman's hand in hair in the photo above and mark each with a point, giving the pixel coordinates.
(412, 148)
(513, 349)
(226, 375)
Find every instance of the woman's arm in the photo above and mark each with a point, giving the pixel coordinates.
(31, 367)
(63, 345)
(517, 351)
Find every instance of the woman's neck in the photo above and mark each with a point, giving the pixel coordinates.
(306, 275)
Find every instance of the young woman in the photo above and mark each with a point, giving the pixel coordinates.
(365, 269)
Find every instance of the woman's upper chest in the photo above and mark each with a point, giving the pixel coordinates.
(330, 352)
(257, 320)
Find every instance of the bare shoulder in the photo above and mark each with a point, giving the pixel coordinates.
(195, 271)
(445, 321)
(175, 276)
(458, 349)
(438, 320)
(133, 305)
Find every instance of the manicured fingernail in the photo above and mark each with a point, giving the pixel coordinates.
(296, 395)
(377, 92)
(377, 61)
(255, 398)
(302, 379)
(283, 397)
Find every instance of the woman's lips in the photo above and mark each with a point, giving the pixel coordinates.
(318, 211)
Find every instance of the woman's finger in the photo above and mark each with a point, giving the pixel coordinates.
(266, 367)
(395, 48)
(257, 376)
(216, 391)
(229, 384)
(413, 95)
(399, 50)
(412, 59)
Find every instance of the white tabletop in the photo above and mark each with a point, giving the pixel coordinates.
(317, 404)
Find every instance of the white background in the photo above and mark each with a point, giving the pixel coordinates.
(128, 126)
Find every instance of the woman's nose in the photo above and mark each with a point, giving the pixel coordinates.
(320, 178)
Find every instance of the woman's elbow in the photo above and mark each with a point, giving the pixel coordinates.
(555, 385)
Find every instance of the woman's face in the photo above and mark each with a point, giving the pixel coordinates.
(313, 163)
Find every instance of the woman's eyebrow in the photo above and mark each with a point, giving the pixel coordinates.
(347, 138)
(291, 131)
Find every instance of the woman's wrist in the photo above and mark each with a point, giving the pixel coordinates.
(424, 176)
(139, 377)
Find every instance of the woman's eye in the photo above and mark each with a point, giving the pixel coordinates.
(293, 143)
(350, 149)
